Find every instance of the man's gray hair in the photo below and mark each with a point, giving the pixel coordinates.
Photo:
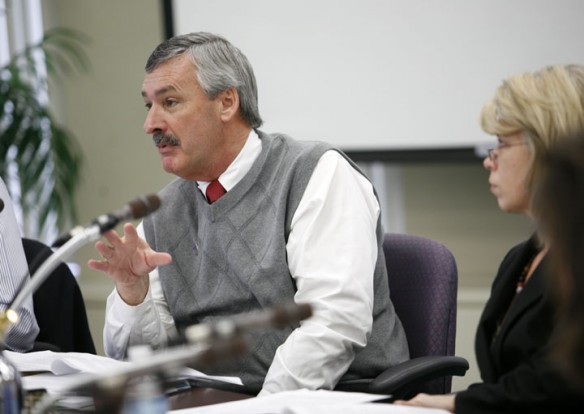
(219, 66)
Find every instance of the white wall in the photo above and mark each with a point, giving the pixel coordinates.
(104, 109)
(387, 73)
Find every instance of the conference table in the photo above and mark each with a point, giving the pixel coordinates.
(208, 400)
(197, 397)
(101, 390)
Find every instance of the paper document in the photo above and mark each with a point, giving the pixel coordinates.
(62, 363)
(58, 373)
(58, 369)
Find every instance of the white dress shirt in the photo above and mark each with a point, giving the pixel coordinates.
(13, 271)
(332, 252)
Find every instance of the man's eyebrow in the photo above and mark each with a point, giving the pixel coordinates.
(161, 91)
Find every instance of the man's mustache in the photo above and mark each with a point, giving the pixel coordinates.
(161, 139)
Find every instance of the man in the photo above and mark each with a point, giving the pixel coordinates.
(298, 222)
(13, 272)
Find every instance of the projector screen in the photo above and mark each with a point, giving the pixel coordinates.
(387, 75)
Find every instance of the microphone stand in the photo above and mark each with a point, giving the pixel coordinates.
(10, 384)
(222, 341)
(209, 344)
(10, 316)
(11, 395)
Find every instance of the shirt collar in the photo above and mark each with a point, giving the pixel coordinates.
(240, 165)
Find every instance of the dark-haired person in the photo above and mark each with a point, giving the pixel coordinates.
(295, 221)
(559, 208)
(529, 114)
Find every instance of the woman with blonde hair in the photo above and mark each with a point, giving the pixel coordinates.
(529, 114)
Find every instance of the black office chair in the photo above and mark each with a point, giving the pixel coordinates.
(423, 283)
(58, 306)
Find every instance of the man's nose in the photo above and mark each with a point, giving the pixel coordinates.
(153, 122)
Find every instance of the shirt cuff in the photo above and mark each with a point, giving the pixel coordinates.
(127, 312)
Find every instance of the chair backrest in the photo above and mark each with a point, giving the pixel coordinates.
(58, 306)
(423, 284)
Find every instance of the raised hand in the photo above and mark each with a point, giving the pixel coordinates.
(127, 261)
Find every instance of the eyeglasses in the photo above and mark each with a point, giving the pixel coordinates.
(493, 153)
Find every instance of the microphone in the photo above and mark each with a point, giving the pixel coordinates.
(73, 240)
(200, 352)
(10, 386)
(135, 209)
(225, 328)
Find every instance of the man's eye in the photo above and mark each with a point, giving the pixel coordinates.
(148, 106)
(170, 102)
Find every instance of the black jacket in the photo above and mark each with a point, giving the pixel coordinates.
(58, 306)
(518, 376)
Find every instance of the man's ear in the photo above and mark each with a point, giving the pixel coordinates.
(229, 100)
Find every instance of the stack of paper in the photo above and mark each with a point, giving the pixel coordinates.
(57, 372)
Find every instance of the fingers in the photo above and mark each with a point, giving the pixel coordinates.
(127, 257)
(118, 245)
(156, 259)
(405, 402)
(100, 265)
(94, 264)
(415, 401)
(107, 252)
(130, 236)
(444, 402)
(130, 231)
(150, 261)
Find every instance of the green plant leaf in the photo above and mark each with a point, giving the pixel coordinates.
(47, 156)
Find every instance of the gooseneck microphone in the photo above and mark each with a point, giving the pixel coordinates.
(72, 241)
(135, 209)
(214, 343)
(278, 317)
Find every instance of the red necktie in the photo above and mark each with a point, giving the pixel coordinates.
(214, 191)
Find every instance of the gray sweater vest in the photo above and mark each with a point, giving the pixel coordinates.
(230, 257)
